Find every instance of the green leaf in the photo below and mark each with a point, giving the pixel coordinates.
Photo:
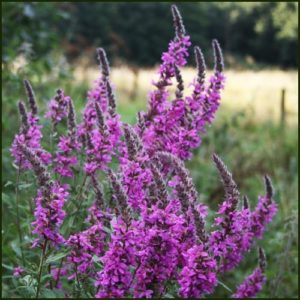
(46, 277)
(7, 267)
(52, 258)
(26, 291)
(8, 183)
(55, 293)
(97, 261)
(107, 230)
(168, 296)
(24, 186)
(16, 248)
(28, 280)
(225, 286)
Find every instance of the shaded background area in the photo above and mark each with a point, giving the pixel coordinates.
(255, 132)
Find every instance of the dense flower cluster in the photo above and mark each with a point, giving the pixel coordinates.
(115, 278)
(198, 276)
(58, 107)
(145, 231)
(49, 213)
(84, 245)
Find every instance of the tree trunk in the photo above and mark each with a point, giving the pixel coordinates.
(135, 86)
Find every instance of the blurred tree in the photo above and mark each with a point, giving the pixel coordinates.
(137, 33)
(285, 19)
(276, 28)
(29, 50)
(29, 29)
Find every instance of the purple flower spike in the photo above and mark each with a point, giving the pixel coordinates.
(253, 283)
(265, 210)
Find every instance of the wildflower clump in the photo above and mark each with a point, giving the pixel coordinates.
(117, 200)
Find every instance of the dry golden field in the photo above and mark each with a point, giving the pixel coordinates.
(256, 92)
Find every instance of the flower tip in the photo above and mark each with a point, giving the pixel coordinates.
(230, 186)
(31, 96)
(246, 204)
(101, 51)
(178, 23)
(219, 61)
(103, 61)
(262, 259)
(200, 62)
(21, 106)
(269, 187)
(215, 157)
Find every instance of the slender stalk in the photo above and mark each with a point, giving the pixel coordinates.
(58, 274)
(51, 138)
(134, 272)
(80, 192)
(76, 199)
(78, 292)
(49, 272)
(30, 206)
(41, 268)
(18, 213)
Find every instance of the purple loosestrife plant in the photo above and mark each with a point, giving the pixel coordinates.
(136, 227)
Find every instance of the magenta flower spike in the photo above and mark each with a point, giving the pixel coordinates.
(254, 282)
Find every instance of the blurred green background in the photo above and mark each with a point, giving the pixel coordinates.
(53, 45)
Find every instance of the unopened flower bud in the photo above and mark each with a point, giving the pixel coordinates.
(23, 114)
(178, 23)
(102, 58)
(180, 86)
(111, 99)
(269, 187)
(31, 97)
(231, 191)
(200, 62)
(246, 204)
(161, 188)
(98, 192)
(219, 61)
(118, 192)
(262, 259)
(130, 142)
(71, 120)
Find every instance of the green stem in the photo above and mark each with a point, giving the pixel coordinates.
(78, 292)
(58, 274)
(80, 192)
(40, 269)
(18, 213)
(76, 199)
(49, 272)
